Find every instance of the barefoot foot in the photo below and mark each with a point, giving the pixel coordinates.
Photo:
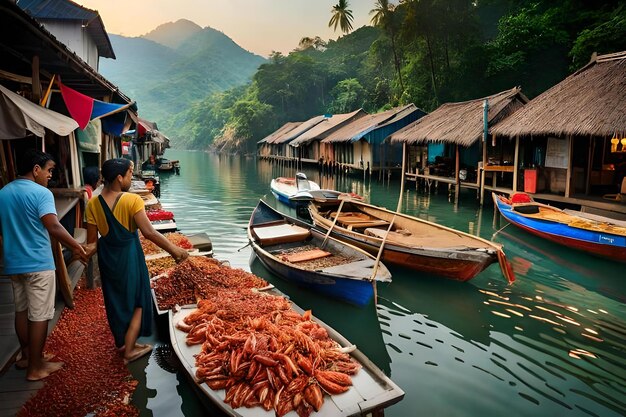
(22, 363)
(137, 352)
(43, 372)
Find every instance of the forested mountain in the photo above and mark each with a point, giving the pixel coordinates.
(427, 52)
(176, 65)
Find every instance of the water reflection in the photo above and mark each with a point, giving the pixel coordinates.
(550, 344)
(542, 348)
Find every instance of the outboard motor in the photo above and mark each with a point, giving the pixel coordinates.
(302, 183)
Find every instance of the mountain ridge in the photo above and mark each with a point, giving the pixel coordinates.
(176, 65)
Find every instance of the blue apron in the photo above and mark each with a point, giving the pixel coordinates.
(125, 278)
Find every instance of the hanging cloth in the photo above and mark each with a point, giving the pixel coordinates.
(125, 278)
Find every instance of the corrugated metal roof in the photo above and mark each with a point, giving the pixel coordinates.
(67, 10)
(287, 127)
(20, 33)
(358, 128)
(461, 123)
(327, 126)
(590, 102)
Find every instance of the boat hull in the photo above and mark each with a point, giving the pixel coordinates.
(288, 193)
(601, 244)
(349, 290)
(371, 391)
(461, 264)
(351, 282)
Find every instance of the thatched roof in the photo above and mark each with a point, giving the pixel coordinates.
(461, 123)
(281, 131)
(294, 133)
(326, 127)
(590, 102)
(355, 130)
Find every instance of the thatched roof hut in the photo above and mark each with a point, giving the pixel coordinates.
(461, 123)
(326, 127)
(280, 132)
(354, 131)
(590, 102)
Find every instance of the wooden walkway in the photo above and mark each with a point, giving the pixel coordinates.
(15, 390)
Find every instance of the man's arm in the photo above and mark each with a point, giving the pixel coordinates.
(57, 231)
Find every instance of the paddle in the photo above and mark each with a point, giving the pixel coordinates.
(393, 219)
(334, 222)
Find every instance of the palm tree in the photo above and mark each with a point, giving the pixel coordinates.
(342, 17)
(383, 18)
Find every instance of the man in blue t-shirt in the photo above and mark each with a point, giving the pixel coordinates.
(27, 220)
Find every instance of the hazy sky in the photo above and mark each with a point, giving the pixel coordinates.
(260, 26)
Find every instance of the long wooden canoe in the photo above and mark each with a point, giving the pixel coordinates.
(412, 242)
(294, 251)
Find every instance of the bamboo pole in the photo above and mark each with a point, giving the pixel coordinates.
(393, 219)
(516, 164)
(334, 222)
(457, 176)
(482, 174)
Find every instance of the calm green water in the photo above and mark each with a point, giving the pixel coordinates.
(553, 343)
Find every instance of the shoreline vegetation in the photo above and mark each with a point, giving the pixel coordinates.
(424, 53)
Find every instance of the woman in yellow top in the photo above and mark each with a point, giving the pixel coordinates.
(117, 215)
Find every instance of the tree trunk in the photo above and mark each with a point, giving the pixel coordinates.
(432, 67)
(396, 61)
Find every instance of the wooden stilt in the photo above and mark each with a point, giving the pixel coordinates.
(457, 177)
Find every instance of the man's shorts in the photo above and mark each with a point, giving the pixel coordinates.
(35, 292)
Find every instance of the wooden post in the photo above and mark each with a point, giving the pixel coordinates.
(63, 278)
(481, 173)
(592, 141)
(515, 163)
(457, 177)
(568, 174)
(36, 86)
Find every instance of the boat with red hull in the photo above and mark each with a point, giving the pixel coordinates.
(410, 242)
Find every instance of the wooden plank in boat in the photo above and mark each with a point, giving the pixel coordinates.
(353, 220)
(282, 233)
(308, 255)
(366, 224)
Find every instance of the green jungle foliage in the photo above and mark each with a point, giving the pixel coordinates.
(426, 52)
(173, 68)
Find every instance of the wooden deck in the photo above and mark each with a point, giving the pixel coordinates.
(589, 204)
(15, 390)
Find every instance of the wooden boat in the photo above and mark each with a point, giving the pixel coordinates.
(593, 234)
(412, 242)
(291, 191)
(295, 252)
(167, 165)
(370, 393)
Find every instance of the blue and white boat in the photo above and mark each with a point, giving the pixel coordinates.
(291, 191)
(593, 234)
(296, 252)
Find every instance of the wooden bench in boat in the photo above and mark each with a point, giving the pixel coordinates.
(358, 220)
(274, 234)
(308, 255)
